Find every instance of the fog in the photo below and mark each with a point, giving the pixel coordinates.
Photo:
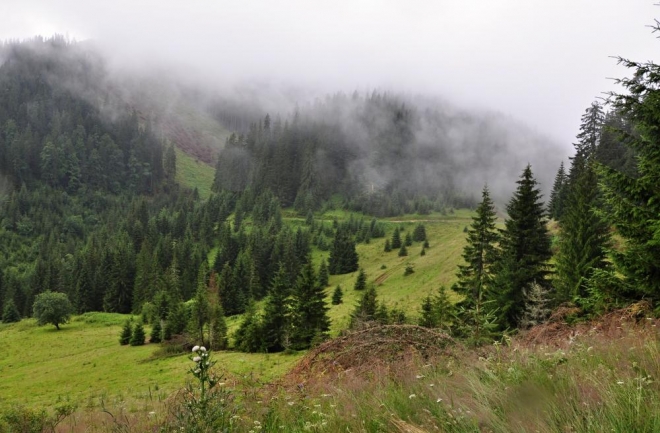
(540, 62)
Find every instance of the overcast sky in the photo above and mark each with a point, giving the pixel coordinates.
(541, 62)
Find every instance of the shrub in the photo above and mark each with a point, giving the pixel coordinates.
(52, 307)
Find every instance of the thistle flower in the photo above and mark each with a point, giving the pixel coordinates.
(203, 349)
(196, 348)
(197, 359)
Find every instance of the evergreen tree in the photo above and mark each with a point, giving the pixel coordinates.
(419, 234)
(126, 333)
(633, 201)
(525, 250)
(218, 331)
(323, 274)
(249, 336)
(403, 251)
(557, 196)
(343, 256)
(408, 240)
(366, 309)
(479, 255)
(10, 313)
(156, 332)
(584, 236)
(428, 317)
(139, 336)
(396, 238)
(310, 317)
(337, 296)
(388, 247)
(360, 281)
(537, 308)
(277, 314)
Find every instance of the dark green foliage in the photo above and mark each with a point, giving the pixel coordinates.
(126, 333)
(360, 281)
(408, 239)
(525, 251)
(366, 309)
(403, 251)
(633, 201)
(310, 317)
(323, 274)
(584, 236)
(419, 234)
(426, 244)
(396, 239)
(537, 306)
(10, 312)
(480, 255)
(558, 194)
(337, 296)
(343, 256)
(437, 311)
(249, 336)
(388, 247)
(218, 328)
(423, 252)
(277, 314)
(53, 308)
(410, 269)
(156, 332)
(138, 337)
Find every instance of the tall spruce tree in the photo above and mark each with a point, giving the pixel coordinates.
(633, 202)
(479, 254)
(277, 313)
(557, 196)
(310, 313)
(343, 256)
(525, 251)
(584, 236)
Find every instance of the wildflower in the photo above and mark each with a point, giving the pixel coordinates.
(290, 403)
(203, 349)
(412, 396)
(438, 400)
(419, 376)
(197, 359)
(431, 384)
(195, 349)
(620, 382)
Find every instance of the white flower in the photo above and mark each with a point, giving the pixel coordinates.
(195, 349)
(197, 359)
(203, 349)
(419, 376)
(438, 400)
(412, 396)
(620, 382)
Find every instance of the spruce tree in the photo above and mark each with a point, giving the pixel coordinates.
(396, 239)
(156, 332)
(366, 309)
(419, 234)
(408, 239)
(323, 274)
(337, 296)
(360, 281)
(218, 332)
(584, 236)
(479, 254)
(277, 314)
(310, 313)
(633, 201)
(139, 336)
(525, 250)
(428, 317)
(10, 313)
(126, 333)
(343, 256)
(557, 196)
(388, 247)
(403, 251)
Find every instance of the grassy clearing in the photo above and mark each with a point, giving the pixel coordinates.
(385, 270)
(193, 174)
(84, 363)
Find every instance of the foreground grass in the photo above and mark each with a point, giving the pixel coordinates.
(83, 363)
(591, 383)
